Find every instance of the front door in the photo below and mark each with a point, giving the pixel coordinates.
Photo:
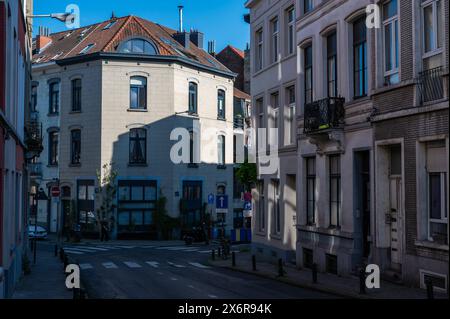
(192, 204)
(395, 190)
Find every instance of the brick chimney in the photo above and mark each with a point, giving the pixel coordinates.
(42, 39)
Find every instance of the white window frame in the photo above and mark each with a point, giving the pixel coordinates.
(290, 118)
(395, 42)
(443, 219)
(275, 45)
(275, 123)
(276, 207)
(259, 59)
(435, 26)
(290, 26)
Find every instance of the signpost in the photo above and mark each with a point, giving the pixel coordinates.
(222, 203)
(211, 199)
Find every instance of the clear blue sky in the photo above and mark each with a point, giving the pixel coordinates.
(220, 20)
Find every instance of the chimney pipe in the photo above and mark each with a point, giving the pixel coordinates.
(180, 11)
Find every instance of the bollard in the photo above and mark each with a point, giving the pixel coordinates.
(213, 254)
(233, 259)
(362, 280)
(254, 262)
(314, 273)
(280, 267)
(430, 291)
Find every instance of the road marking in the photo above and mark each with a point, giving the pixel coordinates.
(73, 252)
(190, 250)
(175, 265)
(190, 286)
(173, 279)
(110, 265)
(204, 251)
(92, 248)
(78, 249)
(126, 247)
(147, 246)
(198, 265)
(212, 296)
(86, 266)
(154, 264)
(132, 264)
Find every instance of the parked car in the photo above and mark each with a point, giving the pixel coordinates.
(37, 232)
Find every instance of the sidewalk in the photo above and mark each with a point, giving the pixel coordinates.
(340, 286)
(46, 280)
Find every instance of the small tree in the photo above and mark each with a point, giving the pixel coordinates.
(106, 193)
(247, 175)
(163, 222)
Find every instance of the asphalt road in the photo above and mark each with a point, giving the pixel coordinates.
(171, 272)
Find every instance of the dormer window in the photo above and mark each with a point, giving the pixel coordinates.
(138, 46)
(87, 48)
(109, 25)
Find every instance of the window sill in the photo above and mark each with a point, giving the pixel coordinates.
(75, 165)
(75, 112)
(137, 110)
(430, 244)
(221, 119)
(193, 114)
(275, 236)
(137, 164)
(221, 167)
(192, 165)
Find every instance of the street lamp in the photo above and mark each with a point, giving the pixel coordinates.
(63, 17)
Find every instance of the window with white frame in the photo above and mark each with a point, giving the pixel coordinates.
(335, 189)
(437, 192)
(275, 104)
(391, 41)
(332, 64)
(432, 24)
(275, 39)
(308, 67)
(307, 6)
(290, 119)
(276, 216)
(259, 50)
(221, 150)
(310, 163)
(260, 108)
(290, 13)
(261, 206)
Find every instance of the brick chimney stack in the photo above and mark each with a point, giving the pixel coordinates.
(42, 39)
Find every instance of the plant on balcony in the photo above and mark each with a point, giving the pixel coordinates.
(247, 175)
(106, 194)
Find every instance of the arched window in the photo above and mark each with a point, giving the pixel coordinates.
(138, 92)
(138, 46)
(221, 150)
(221, 104)
(193, 96)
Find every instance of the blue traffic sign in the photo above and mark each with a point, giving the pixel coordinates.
(211, 199)
(222, 201)
(248, 206)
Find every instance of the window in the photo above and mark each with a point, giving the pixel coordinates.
(193, 89)
(87, 217)
(87, 48)
(331, 264)
(221, 104)
(109, 25)
(310, 190)
(33, 99)
(437, 192)
(138, 46)
(276, 207)
(290, 131)
(138, 93)
(275, 104)
(76, 95)
(54, 98)
(391, 38)
(360, 57)
(259, 50)
(332, 65)
(138, 146)
(261, 206)
(290, 30)
(53, 138)
(75, 136)
(221, 150)
(335, 189)
(432, 33)
(308, 74)
(307, 6)
(260, 108)
(275, 39)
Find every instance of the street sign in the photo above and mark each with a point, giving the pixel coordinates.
(222, 201)
(248, 206)
(55, 191)
(211, 199)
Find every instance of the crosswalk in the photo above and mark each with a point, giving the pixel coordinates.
(138, 264)
(88, 249)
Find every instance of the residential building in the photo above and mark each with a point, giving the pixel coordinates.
(124, 85)
(15, 55)
(274, 87)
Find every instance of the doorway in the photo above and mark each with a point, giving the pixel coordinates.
(362, 159)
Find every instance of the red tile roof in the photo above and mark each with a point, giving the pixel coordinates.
(69, 44)
(241, 95)
(240, 53)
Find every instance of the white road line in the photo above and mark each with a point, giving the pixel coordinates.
(204, 251)
(110, 265)
(175, 265)
(173, 279)
(147, 246)
(198, 265)
(93, 248)
(212, 296)
(86, 266)
(154, 264)
(78, 249)
(132, 264)
(73, 252)
(126, 247)
(190, 250)
(108, 247)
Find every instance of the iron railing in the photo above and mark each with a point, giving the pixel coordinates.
(431, 85)
(238, 123)
(33, 136)
(35, 169)
(324, 114)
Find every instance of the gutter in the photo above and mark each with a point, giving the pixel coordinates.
(137, 57)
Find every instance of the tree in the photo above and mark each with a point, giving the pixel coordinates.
(163, 222)
(106, 193)
(247, 175)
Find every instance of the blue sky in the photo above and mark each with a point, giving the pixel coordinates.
(220, 20)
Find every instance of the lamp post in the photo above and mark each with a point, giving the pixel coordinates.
(63, 17)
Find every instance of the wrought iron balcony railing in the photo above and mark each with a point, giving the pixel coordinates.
(35, 169)
(238, 123)
(33, 137)
(324, 114)
(431, 85)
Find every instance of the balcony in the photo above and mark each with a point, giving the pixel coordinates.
(33, 138)
(238, 123)
(431, 85)
(35, 169)
(324, 115)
